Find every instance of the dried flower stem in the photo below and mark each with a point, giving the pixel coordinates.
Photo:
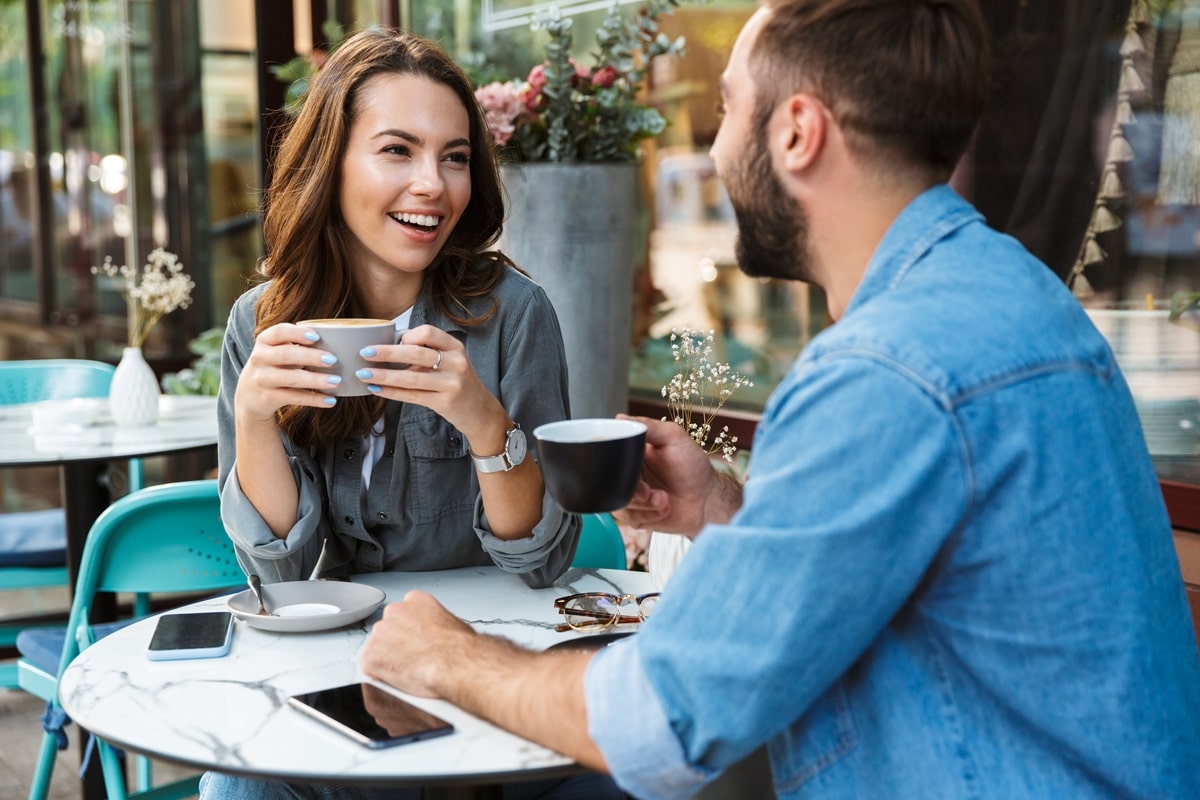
(700, 384)
(162, 288)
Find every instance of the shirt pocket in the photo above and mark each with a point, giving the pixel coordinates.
(820, 738)
(440, 471)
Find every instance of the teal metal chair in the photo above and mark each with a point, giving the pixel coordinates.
(163, 539)
(33, 543)
(600, 544)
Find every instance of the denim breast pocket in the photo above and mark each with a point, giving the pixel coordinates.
(439, 470)
(820, 738)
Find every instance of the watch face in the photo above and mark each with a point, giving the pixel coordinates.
(516, 446)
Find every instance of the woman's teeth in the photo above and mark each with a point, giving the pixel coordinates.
(420, 220)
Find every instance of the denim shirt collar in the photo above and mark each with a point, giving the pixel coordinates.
(930, 217)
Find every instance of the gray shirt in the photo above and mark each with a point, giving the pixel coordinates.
(423, 509)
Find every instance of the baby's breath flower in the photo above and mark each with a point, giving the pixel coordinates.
(163, 287)
(699, 381)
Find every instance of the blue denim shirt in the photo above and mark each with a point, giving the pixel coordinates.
(952, 574)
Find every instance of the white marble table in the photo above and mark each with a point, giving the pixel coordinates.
(231, 714)
(82, 452)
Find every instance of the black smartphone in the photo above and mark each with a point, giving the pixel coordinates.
(206, 634)
(371, 716)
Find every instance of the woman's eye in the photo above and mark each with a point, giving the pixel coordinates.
(396, 149)
(459, 157)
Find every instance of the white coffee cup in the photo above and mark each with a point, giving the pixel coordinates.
(345, 338)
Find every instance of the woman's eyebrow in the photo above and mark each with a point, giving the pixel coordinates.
(417, 140)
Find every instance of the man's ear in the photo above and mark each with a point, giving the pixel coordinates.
(805, 125)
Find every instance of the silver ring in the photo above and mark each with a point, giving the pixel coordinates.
(438, 363)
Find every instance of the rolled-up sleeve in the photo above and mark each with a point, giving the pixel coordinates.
(259, 550)
(644, 755)
(533, 389)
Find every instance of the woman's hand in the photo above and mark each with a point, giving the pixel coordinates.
(281, 372)
(436, 373)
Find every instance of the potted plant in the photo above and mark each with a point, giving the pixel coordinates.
(568, 137)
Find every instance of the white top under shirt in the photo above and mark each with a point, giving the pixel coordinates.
(373, 444)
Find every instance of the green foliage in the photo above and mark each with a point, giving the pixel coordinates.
(298, 72)
(1185, 309)
(565, 112)
(204, 376)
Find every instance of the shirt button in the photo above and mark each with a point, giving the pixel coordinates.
(391, 451)
(373, 546)
(348, 453)
(454, 441)
(383, 515)
(349, 520)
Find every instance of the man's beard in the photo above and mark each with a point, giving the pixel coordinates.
(772, 229)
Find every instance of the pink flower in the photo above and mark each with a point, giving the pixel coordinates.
(604, 78)
(502, 107)
(318, 58)
(583, 75)
(531, 92)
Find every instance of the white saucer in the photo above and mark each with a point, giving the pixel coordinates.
(308, 605)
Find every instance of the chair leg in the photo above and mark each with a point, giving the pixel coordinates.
(114, 775)
(40, 785)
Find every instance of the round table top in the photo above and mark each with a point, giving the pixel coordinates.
(184, 423)
(231, 713)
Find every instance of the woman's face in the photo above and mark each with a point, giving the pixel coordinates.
(406, 176)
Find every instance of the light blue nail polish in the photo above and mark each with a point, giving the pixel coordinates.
(334, 379)
(372, 387)
(363, 374)
(367, 352)
(312, 336)
(329, 358)
(330, 401)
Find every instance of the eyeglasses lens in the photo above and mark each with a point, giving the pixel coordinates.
(591, 611)
(647, 605)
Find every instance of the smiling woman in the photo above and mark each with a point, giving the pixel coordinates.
(386, 204)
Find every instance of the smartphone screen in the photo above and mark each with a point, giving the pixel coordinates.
(207, 634)
(371, 716)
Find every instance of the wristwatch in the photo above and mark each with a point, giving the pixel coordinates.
(514, 453)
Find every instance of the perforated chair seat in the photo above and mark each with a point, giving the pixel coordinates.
(164, 539)
(33, 539)
(42, 647)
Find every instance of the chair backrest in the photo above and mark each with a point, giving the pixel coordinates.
(53, 379)
(600, 544)
(166, 538)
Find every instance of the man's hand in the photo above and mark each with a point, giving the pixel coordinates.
(421, 648)
(680, 491)
(413, 644)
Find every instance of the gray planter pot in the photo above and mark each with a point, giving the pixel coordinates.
(573, 228)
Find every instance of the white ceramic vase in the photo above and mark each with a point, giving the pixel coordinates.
(133, 394)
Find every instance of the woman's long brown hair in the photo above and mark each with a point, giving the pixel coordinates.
(306, 238)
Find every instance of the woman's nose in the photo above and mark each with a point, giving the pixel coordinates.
(427, 177)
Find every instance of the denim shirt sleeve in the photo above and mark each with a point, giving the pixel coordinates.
(767, 613)
(642, 752)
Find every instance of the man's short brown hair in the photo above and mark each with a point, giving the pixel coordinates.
(903, 78)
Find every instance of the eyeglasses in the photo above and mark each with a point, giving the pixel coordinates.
(592, 610)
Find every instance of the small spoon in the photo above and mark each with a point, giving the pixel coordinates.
(256, 587)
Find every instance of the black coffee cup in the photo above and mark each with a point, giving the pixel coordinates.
(591, 465)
